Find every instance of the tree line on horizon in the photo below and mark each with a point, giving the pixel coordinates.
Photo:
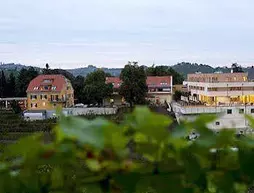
(92, 88)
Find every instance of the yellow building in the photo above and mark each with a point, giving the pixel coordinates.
(47, 92)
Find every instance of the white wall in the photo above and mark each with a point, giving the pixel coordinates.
(234, 120)
(95, 111)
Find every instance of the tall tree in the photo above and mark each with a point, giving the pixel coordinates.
(78, 86)
(96, 89)
(3, 85)
(11, 84)
(133, 88)
(236, 68)
(165, 71)
(23, 80)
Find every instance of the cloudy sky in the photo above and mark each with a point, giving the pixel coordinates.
(75, 33)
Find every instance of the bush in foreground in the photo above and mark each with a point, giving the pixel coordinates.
(138, 155)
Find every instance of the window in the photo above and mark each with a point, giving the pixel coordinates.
(33, 97)
(36, 88)
(46, 87)
(252, 111)
(47, 81)
(217, 123)
(241, 111)
(44, 104)
(54, 88)
(43, 97)
(229, 111)
(33, 105)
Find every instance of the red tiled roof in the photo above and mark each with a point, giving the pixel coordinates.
(151, 81)
(114, 80)
(57, 81)
(158, 81)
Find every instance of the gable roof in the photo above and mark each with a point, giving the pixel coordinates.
(57, 81)
(151, 81)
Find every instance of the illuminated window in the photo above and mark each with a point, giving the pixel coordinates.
(244, 78)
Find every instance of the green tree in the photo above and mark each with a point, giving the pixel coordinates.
(24, 78)
(11, 86)
(95, 157)
(3, 85)
(96, 89)
(177, 95)
(165, 71)
(133, 88)
(78, 86)
(16, 107)
(236, 68)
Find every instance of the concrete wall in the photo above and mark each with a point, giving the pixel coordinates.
(87, 111)
(235, 120)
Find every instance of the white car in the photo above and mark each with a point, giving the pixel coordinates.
(80, 105)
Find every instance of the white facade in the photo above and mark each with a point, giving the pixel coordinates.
(222, 88)
(231, 101)
(231, 117)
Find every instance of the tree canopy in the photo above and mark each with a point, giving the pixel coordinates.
(78, 86)
(236, 68)
(23, 80)
(11, 85)
(96, 89)
(3, 84)
(133, 87)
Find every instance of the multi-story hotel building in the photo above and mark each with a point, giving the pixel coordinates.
(47, 92)
(229, 94)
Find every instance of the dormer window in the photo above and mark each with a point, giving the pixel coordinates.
(53, 88)
(36, 88)
(47, 81)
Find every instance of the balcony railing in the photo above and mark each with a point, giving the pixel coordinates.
(57, 100)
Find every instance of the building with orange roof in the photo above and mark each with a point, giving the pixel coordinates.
(159, 89)
(47, 92)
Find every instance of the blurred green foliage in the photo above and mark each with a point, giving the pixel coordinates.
(139, 155)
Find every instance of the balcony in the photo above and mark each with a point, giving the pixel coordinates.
(57, 100)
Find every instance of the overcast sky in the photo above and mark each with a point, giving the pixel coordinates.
(75, 33)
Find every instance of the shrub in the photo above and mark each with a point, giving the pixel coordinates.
(96, 156)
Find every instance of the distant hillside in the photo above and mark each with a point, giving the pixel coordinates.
(183, 68)
(188, 68)
(86, 70)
